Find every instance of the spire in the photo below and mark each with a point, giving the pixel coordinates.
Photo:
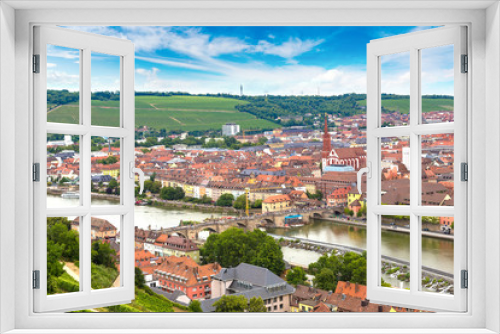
(327, 141)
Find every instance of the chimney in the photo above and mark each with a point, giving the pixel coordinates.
(356, 288)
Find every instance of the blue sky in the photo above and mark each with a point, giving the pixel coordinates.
(273, 60)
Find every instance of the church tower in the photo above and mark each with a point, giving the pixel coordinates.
(327, 144)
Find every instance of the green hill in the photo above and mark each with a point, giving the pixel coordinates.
(185, 113)
(403, 105)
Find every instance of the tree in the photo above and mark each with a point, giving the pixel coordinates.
(225, 200)
(139, 278)
(64, 180)
(231, 303)
(262, 140)
(362, 210)
(206, 199)
(195, 306)
(256, 304)
(296, 276)
(113, 184)
(353, 268)
(240, 202)
(234, 246)
(151, 141)
(430, 220)
(103, 254)
(171, 194)
(152, 186)
(325, 280)
(349, 267)
(257, 204)
(270, 256)
(318, 195)
(59, 233)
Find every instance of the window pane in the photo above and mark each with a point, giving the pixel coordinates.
(437, 84)
(437, 254)
(63, 170)
(395, 80)
(105, 232)
(395, 251)
(63, 85)
(105, 170)
(63, 255)
(395, 167)
(437, 169)
(105, 85)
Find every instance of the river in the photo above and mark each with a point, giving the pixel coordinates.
(437, 253)
(144, 216)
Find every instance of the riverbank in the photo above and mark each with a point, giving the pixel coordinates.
(161, 203)
(198, 207)
(393, 228)
(433, 280)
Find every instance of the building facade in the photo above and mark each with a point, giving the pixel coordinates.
(230, 129)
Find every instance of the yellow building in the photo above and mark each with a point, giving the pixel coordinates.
(188, 190)
(353, 195)
(111, 170)
(307, 305)
(276, 203)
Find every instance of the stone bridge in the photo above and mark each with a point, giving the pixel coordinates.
(270, 219)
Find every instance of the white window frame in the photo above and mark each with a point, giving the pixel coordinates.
(413, 43)
(124, 50)
(484, 102)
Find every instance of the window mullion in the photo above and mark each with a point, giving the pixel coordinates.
(415, 168)
(85, 175)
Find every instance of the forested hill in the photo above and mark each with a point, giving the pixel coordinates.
(270, 110)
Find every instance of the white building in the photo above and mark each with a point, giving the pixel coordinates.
(230, 129)
(406, 157)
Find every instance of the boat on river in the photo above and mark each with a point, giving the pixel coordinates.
(70, 195)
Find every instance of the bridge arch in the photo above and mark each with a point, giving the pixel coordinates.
(182, 234)
(209, 229)
(317, 215)
(267, 222)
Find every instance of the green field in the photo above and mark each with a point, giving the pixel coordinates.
(403, 105)
(186, 113)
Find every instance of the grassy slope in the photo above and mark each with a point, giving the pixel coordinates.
(103, 277)
(188, 113)
(404, 105)
(145, 300)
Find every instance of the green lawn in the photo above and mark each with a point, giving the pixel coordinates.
(186, 113)
(404, 105)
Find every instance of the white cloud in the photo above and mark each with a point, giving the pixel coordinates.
(51, 65)
(62, 80)
(59, 52)
(172, 63)
(290, 49)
